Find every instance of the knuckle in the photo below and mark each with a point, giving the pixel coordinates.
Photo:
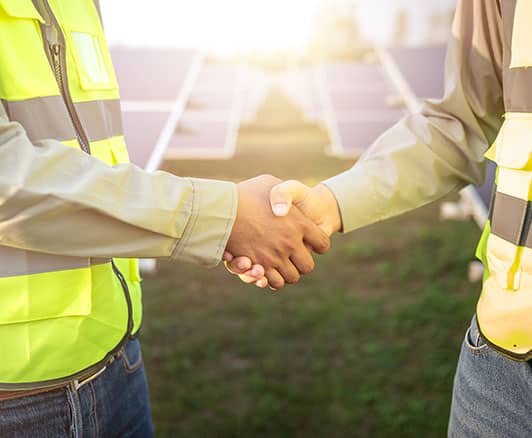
(291, 245)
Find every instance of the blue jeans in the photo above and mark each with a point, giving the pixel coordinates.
(492, 395)
(116, 403)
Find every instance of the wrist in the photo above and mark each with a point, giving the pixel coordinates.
(332, 219)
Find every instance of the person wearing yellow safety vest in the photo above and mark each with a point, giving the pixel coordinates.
(75, 215)
(487, 102)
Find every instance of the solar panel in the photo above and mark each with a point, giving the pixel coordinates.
(216, 76)
(151, 74)
(423, 69)
(357, 103)
(142, 130)
(351, 76)
(209, 100)
(357, 135)
(154, 86)
(209, 125)
(349, 100)
(201, 138)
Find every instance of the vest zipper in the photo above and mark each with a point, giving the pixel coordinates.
(125, 287)
(58, 70)
(55, 41)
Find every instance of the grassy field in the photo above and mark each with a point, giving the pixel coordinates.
(366, 346)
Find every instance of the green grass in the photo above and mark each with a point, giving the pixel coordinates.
(366, 346)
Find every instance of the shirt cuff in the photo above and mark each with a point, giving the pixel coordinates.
(357, 199)
(214, 207)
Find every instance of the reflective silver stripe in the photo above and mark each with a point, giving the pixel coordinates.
(15, 262)
(509, 221)
(101, 119)
(47, 118)
(42, 118)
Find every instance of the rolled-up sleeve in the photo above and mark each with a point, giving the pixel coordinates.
(56, 199)
(441, 149)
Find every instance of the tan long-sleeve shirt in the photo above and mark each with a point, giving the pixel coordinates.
(58, 200)
(427, 155)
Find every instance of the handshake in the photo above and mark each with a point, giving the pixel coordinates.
(271, 242)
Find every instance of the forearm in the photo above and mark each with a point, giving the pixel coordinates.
(392, 180)
(430, 154)
(57, 199)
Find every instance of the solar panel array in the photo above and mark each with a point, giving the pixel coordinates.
(151, 81)
(209, 125)
(358, 108)
(176, 104)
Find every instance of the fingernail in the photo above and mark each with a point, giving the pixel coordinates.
(280, 209)
(242, 264)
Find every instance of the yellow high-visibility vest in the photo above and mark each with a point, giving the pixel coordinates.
(504, 310)
(61, 318)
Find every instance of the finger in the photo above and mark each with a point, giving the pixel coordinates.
(239, 265)
(317, 239)
(227, 256)
(262, 283)
(289, 272)
(257, 271)
(303, 261)
(248, 279)
(255, 274)
(283, 195)
(275, 279)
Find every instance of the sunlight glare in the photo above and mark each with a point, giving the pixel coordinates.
(224, 27)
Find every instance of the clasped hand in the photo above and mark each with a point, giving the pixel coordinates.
(278, 227)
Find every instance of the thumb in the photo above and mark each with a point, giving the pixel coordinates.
(283, 195)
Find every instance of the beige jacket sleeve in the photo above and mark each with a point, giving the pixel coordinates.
(58, 200)
(427, 155)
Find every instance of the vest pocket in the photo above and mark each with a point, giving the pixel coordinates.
(522, 35)
(20, 9)
(93, 71)
(87, 46)
(25, 69)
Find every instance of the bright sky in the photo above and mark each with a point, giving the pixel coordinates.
(229, 26)
(224, 26)
(377, 17)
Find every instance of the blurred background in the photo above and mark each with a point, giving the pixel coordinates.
(367, 345)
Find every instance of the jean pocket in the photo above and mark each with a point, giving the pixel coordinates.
(131, 356)
(473, 340)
